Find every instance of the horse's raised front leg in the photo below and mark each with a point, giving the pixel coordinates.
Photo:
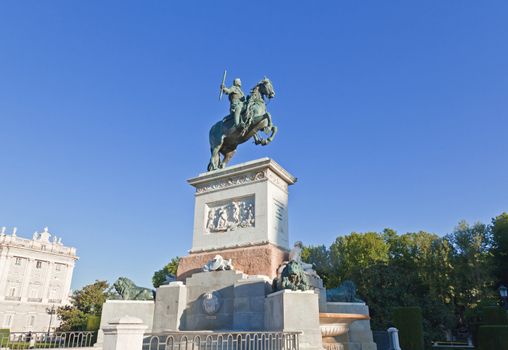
(274, 132)
(268, 128)
(257, 139)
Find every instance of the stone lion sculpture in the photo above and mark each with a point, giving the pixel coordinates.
(345, 292)
(128, 290)
(293, 277)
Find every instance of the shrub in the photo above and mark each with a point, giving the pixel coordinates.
(4, 336)
(409, 322)
(93, 323)
(493, 337)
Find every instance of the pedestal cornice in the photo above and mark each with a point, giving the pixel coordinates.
(257, 170)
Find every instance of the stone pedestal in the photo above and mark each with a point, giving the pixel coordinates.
(126, 333)
(241, 212)
(295, 311)
(170, 304)
(215, 300)
(114, 309)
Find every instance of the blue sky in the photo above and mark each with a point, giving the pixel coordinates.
(391, 114)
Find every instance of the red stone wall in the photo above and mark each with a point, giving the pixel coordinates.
(254, 260)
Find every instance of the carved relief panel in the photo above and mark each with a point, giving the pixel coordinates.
(230, 215)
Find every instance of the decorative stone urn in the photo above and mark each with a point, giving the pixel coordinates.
(334, 328)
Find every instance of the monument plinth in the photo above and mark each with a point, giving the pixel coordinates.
(241, 213)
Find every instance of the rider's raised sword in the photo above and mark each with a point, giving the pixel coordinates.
(221, 85)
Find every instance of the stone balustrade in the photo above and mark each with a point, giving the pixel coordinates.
(29, 243)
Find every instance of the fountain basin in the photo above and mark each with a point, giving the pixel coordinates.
(336, 324)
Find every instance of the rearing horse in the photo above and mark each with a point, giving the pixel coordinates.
(225, 137)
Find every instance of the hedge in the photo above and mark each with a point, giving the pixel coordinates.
(489, 316)
(494, 315)
(493, 337)
(409, 322)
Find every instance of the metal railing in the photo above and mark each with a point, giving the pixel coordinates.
(43, 340)
(222, 341)
(451, 345)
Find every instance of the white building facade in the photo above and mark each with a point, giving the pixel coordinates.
(35, 279)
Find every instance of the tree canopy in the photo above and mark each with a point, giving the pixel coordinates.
(500, 248)
(159, 276)
(449, 277)
(85, 302)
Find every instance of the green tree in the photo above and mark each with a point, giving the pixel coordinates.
(85, 302)
(499, 230)
(450, 278)
(423, 259)
(319, 257)
(392, 270)
(472, 275)
(159, 277)
(351, 255)
(71, 319)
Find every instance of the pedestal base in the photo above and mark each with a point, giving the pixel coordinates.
(298, 311)
(255, 260)
(115, 309)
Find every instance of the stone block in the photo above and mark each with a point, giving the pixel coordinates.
(252, 287)
(222, 285)
(288, 310)
(241, 304)
(169, 307)
(125, 333)
(248, 321)
(203, 322)
(114, 309)
(249, 303)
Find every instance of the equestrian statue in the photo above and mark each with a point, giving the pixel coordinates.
(247, 116)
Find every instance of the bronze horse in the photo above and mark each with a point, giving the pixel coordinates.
(225, 137)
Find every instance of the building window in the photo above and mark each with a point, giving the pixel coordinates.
(38, 264)
(12, 291)
(58, 267)
(53, 293)
(43, 247)
(34, 293)
(8, 320)
(18, 261)
(31, 321)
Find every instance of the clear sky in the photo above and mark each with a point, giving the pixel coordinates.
(391, 114)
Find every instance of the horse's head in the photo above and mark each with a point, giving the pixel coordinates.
(266, 88)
